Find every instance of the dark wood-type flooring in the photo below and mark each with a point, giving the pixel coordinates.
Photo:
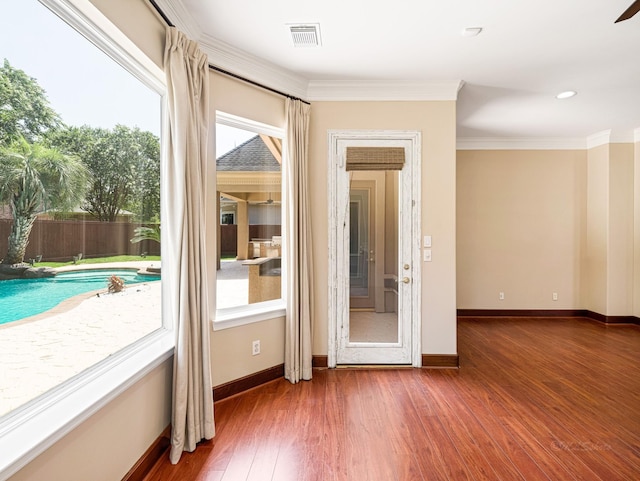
(534, 399)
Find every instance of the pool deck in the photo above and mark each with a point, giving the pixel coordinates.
(38, 353)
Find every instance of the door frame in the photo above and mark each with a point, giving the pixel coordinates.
(338, 188)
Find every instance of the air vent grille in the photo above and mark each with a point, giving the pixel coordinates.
(307, 35)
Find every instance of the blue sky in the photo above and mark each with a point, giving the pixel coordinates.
(82, 84)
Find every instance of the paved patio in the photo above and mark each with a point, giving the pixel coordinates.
(38, 353)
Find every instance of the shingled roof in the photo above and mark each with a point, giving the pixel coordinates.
(250, 156)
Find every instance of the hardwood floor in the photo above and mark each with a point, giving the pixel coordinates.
(534, 399)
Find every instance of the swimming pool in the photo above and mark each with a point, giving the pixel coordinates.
(21, 298)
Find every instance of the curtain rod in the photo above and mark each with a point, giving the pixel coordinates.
(226, 72)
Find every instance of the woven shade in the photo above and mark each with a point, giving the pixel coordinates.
(375, 158)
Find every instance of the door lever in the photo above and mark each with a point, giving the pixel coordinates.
(406, 280)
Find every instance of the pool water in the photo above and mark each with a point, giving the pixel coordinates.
(21, 298)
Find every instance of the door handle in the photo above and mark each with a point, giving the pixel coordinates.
(406, 280)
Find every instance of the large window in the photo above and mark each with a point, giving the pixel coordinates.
(79, 204)
(249, 197)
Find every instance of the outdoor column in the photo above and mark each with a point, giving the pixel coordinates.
(243, 229)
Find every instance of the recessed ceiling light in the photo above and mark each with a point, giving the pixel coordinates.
(471, 31)
(566, 95)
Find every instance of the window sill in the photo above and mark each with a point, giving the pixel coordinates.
(31, 430)
(243, 315)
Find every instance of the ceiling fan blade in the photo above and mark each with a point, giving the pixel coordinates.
(630, 12)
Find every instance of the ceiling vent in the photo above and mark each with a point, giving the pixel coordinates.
(305, 35)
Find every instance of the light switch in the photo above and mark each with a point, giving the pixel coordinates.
(427, 241)
(427, 255)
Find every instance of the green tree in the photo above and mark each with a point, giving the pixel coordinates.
(146, 233)
(146, 189)
(33, 176)
(24, 108)
(125, 166)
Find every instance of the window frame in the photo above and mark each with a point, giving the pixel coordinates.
(29, 430)
(248, 314)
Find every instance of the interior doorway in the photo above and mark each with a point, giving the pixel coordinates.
(374, 261)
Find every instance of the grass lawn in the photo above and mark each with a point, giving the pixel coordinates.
(98, 260)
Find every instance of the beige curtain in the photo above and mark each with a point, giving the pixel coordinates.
(184, 175)
(297, 241)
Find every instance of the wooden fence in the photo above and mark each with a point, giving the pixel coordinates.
(62, 240)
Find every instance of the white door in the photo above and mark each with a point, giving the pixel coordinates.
(374, 278)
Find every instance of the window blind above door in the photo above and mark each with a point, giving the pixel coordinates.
(375, 158)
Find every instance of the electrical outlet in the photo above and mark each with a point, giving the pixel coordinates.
(255, 348)
(501, 296)
(555, 296)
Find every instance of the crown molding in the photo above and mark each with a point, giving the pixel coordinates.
(622, 136)
(598, 139)
(604, 137)
(612, 137)
(239, 62)
(479, 143)
(363, 90)
(181, 17)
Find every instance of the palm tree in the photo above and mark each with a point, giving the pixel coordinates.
(33, 176)
(146, 233)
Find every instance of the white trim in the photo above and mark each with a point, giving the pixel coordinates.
(610, 137)
(181, 17)
(364, 90)
(87, 20)
(28, 432)
(636, 135)
(336, 187)
(598, 139)
(243, 315)
(239, 62)
(242, 123)
(479, 143)
(622, 136)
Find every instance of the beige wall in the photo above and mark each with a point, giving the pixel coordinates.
(620, 243)
(231, 357)
(636, 243)
(596, 261)
(139, 22)
(521, 224)
(610, 232)
(436, 121)
(531, 223)
(109, 443)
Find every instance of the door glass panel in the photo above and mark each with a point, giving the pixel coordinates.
(373, 257)
(359, 243)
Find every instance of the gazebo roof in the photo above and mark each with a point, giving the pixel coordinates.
(250, 156)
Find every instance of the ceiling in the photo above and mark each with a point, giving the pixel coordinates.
(505, 79)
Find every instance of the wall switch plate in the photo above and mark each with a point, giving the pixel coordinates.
(427, 241)
(427, 255)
